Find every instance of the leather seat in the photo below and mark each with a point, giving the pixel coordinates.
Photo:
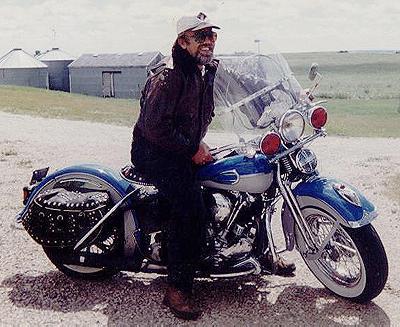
(131, 174)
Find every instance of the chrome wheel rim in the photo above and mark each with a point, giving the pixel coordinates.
(101, 247)
(338, 264)
(339, 259)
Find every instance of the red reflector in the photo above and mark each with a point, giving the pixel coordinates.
(25, 195)
(270, 143)
(319, 117)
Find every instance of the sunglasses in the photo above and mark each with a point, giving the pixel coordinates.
(202, 35)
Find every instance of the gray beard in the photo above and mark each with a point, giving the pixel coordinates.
(203, 60)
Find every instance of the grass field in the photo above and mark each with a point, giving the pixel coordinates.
(355, 117)
(362, 89)
(359, 75)
(52, 104)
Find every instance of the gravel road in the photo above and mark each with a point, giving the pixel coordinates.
(32, 292)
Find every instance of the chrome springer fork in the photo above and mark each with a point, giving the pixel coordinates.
(268, 210)
(296, 212)
(266, 216)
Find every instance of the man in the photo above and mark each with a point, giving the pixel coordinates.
(176, 108)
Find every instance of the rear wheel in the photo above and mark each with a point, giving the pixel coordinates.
(352, 263)
(106, 243)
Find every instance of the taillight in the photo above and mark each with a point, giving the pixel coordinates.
(270, 143)
(27, 191)
(25, 195)
(318, 117)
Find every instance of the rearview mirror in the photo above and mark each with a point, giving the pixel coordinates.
(313, 71)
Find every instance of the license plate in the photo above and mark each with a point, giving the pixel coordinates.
(38, 175)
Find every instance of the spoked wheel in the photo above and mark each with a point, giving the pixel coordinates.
(107, 242)
(350, 262)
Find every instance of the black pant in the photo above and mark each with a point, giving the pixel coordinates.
(175, 178)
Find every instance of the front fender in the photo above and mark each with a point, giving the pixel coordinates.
(327, 194)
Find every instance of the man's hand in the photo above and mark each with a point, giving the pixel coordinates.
(202, 155)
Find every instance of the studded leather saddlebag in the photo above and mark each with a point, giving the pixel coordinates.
(60, 218)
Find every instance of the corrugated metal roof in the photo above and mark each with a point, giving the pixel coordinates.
(141, 59)
(55, 54)
(18, 58)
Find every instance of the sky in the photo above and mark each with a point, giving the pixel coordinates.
(123, 26)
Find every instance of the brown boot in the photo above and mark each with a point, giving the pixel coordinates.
(283, 267)
(181, 304)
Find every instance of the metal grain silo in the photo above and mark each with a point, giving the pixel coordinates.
(18, 67)
(57, 62)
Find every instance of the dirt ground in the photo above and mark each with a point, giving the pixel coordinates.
(32, 292)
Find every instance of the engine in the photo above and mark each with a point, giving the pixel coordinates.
(231, 228)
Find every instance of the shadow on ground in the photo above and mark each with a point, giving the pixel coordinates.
(130, 300)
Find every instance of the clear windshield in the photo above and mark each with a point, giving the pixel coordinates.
(251, 92)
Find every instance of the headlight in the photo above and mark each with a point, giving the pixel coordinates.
(291, 126)
(306, 161)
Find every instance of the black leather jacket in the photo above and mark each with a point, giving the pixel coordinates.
(177, 106)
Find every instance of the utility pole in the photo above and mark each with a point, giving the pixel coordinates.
(258, 45)
(54, 36)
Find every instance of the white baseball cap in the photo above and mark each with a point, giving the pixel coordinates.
(193, 23)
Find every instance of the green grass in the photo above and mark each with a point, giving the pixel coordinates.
(362, 89)
(355, 117)
(364, 75)
(52, 104)
(349, 117)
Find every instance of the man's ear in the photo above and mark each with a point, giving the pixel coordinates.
(182, 42)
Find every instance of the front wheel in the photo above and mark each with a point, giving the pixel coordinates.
(352, 263)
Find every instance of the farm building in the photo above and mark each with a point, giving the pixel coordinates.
(57, 62)
(18, 67)
(112, 75)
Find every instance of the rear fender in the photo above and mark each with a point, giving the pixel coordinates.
(105, 174)
(101, 178)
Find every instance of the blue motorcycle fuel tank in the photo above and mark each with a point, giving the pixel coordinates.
(238, 173)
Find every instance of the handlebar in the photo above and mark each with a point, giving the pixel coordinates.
(253, 146)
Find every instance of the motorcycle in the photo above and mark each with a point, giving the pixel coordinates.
(93, 222)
